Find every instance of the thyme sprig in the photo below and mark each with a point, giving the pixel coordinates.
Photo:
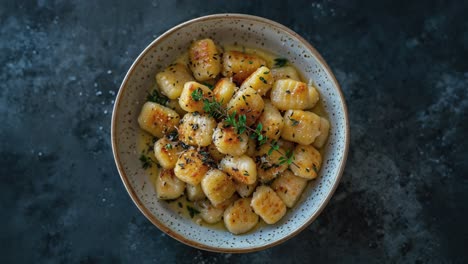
(239, 123)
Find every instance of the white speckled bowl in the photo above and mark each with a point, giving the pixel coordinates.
(253, 32)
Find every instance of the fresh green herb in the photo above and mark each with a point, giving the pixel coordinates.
(168, 146)
(288, 158)
(294, 121)
(273, 147)
(280, 62)
(250, 62)
(197, 94)
(263, 80)
(156, 97)
(267, 72)
(146, 161)
(208, 85)
(192, 211)
(239, 123)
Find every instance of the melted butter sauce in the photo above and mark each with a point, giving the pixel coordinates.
(146, 141)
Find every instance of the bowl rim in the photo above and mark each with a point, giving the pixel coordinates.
(126, 181)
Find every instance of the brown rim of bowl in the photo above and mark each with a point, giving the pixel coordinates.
(132, 193)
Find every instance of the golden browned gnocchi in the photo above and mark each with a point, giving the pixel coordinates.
(196, 129)
(247, 102)
(205, 61)
(301, 127)
(167, 152)
(240, 65)
(190, 103)
(158, 120)
(290, 94)
(239, 217)
(228, 141)
(231, 137)
(171, 81)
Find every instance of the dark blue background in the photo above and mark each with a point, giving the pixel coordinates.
(403, 68)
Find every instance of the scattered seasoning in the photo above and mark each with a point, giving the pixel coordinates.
(195, 126)
(267, 72)
(173, 136)
(250, 62)
(263, 80)
(288, 92)
(146, 161)
(183, 145)
(280, 62)
(246, 173)
(182, 165)
(168, 146)
(180, 205)
(192, 211)
(314, 168)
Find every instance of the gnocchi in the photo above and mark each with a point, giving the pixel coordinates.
(239, 217)
(240, 65)
(171, 81)
(290, 94)
(158, 120)
(234, 135)
(196, 129)
(205, 61)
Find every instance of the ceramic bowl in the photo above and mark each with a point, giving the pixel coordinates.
(250, 31)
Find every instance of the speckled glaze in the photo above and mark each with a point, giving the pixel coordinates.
(227, 29)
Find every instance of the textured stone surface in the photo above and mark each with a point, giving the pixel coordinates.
(403, 69)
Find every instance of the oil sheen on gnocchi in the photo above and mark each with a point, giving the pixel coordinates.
(208, 170)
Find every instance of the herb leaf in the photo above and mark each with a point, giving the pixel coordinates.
(157, 97)
(294, 121)
(197, 94)
(280, 62)
(192, 211)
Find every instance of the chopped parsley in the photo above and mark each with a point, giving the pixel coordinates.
(197, 94)
(280, 62)
(156, 97)
(294, 121)
(192, 211)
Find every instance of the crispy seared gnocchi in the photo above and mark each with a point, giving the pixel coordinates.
(167, 152)
(289, 187)
(158, 120)
(228, 141)
(246, 102)
(240, 65)
(217, 186)
(239, 217)
(196, 129)
(232, 135)
(190, 167)
(290, 94)
(301, 127)
(205, 61)
(191, 103)
(267, 204)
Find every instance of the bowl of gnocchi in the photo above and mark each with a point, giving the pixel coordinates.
(230, 133)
